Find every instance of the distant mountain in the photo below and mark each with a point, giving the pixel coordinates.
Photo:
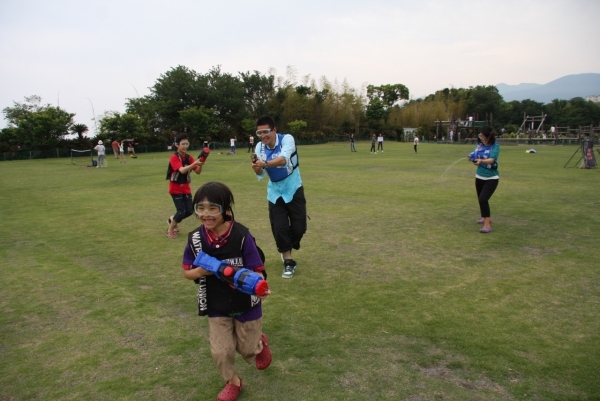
(566, 88)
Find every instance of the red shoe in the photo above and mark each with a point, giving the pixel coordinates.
(230, 392)
(264, 358)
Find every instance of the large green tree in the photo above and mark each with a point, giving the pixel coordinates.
(259, 91)
(381, 99)
(483, 102)
(114, 125)
(37, 126)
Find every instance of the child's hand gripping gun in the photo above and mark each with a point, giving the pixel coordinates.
(240, 278)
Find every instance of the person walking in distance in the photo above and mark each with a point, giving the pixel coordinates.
(115, 148)
(416, 143)
(276, 155)
(380, 142)
(232, 141)
(352, 148)
(373, 140)
(101, 154)
(250, 144)
(121, 153)
(181, 165)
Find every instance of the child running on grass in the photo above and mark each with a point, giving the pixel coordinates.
(234, 318)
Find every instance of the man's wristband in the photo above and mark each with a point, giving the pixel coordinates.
(266, 164)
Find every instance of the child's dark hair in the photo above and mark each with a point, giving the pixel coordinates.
(489, 134)
(216, 192)
(265, 120)
(181, 137)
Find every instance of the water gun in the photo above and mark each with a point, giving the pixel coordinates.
(473, 156)
(204, 154)
(240, 278)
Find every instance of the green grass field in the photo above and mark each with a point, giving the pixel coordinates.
(397, 295)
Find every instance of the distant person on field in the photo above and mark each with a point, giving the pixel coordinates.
(380, 142)
(115, 148)
(181, 165)
(352, 148)
(101, 154)
(131, 148)
(373, 140)
(416, 143)
(121, 153)
(232, 145)
(250, 144)
(485, 157)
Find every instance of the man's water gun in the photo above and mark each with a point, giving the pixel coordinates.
(240, 278)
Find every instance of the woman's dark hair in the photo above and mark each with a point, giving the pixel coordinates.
(216, 192)
(489, 134)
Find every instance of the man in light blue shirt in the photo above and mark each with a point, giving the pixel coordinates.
(277, 156)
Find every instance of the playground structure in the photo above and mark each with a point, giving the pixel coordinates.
(462, 130)
(531, 131)
(532, 124)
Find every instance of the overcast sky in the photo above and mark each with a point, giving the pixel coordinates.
(90, 56)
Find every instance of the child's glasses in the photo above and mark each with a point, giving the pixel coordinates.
(208, 208)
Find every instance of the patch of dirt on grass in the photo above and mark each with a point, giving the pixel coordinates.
(348, 381)
(441, 371)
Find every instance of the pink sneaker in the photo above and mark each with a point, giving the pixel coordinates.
(264, 358)
(486, 230)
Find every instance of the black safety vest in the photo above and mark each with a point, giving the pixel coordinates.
(176, 176)
(214, 295)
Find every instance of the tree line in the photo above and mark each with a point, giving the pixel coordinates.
(220, 105)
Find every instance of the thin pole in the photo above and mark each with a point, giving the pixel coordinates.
(94, 113)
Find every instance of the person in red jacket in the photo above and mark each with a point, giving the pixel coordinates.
(181, 165)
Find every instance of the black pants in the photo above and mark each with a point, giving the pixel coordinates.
(485, 190)
(379, 145)
(373, 148)
(288, 221)
(184, 206)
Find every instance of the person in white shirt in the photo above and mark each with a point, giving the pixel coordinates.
(101, 154)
